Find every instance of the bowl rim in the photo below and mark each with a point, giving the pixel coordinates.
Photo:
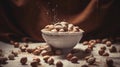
(62, 33)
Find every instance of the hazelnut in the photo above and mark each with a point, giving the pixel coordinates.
(61, 30)
(91, 60)
(92, 41)
(44, 52)
(16, 44)
(109, 62)
(74, 59)
(84, 65)
(11, 57)
(3, 60)
(23, 49)
(26, 45)
(59, 64)
(101, 51)
(85, 43)
(45, 58)
(37, 60)
(36, 52)
(58, 52)
(54, 30)
(23, 60)
(29, 50)
(88, 50)
(105, 54)
(108, 43)
(15, 53)
(113, 49)
(104, 40)
(69, 56)
(34, 64)
(50, 61)
(103, 48)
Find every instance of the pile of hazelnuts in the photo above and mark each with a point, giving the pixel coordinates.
(62, 27)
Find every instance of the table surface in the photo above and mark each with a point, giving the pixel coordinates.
(100, 60)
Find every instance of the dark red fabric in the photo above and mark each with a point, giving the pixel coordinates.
(25, 18)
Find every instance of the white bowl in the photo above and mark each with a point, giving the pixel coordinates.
(62, 39)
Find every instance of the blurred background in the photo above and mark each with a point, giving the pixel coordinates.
(22, 20)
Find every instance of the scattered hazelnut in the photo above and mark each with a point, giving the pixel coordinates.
(105, 54)
(44, 52)
(101, 51)
(88, 50)
(23, 49)
(84, 65)
(109, 62)
(26, 45)
(50, 61)
(16, 44)
(108, 43)
(103, 48)
(59, 64)
(23, 60)
(29, 50)
(15, 53)
(11, 57)
(92, 41)
(69, 56)
(74, 59)
(36, 52)
(91, 60)
(113, 49)
(3, 60)
(58, 52)
(34, 64)
(45, 58)
(85, 43)
(37, 59)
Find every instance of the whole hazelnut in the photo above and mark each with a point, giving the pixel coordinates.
(85, 43)
(45, 58)
(84, 65)
(108, 43)
(26, 45)
(69, 56)
(34, 64)
(109, 62)
(23, 49)
(88, 50)
(29, 50)
(105, 54)
(44, 52)
(92, 41)
(16, 44)
(3, 60)
(37, 60)
(58, 52)
(23, 60)
(101, 51)
(11, 56)
(15, 53)
(50, 61)
(103, 48)
(74, 59)
(36, 52)
(59, 64)
(91, 60)
(113, 49)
